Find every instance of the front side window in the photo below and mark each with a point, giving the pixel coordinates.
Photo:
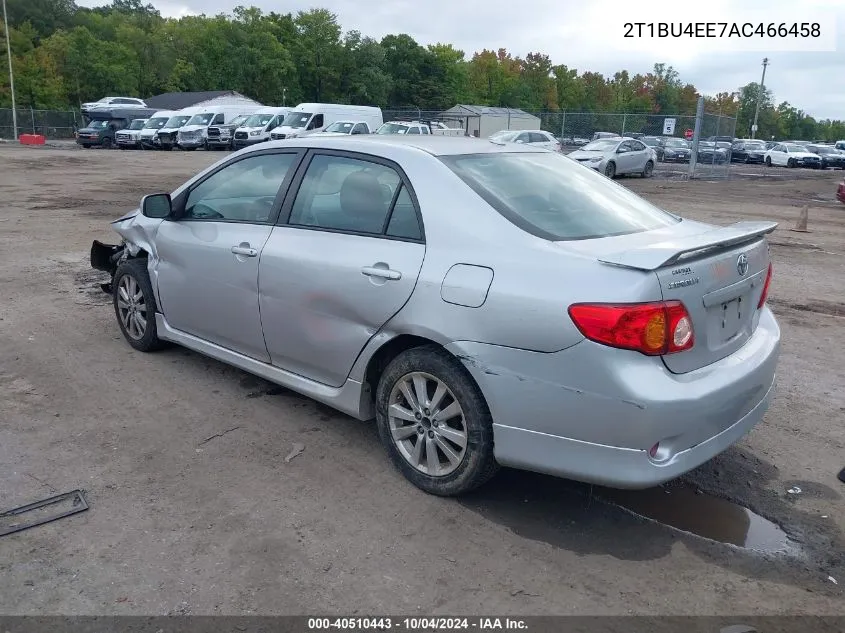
(243, 191)
(414, 130)
(345, 194)
(360, 128)
(550, 196)
(316, 122)
(200, 119)
(219, 119)
(297, 119)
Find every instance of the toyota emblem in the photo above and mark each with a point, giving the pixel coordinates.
(742, 264)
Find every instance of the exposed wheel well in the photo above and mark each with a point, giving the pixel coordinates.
(386, 353)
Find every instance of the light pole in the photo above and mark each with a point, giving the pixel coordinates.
(759, 97)
(11, 74)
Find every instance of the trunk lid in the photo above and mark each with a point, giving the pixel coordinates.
(717, 272)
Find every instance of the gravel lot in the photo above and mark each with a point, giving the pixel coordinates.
(194, 508)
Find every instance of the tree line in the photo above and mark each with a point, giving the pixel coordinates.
(64, 55)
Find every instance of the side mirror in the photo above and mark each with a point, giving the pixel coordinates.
(157, 206)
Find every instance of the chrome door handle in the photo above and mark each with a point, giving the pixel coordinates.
(383, 273)
(246, 251)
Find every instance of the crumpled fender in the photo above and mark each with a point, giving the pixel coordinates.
(137, 231)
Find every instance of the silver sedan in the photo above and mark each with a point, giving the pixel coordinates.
(487, 304)
(617, 156)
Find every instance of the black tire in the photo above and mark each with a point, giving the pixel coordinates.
(107, 143)
(136, 269)
(478, 464)
(86, 146)
(648, 170)
(790, 162)
(610, 170)
(768, 161)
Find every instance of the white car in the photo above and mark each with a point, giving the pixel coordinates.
(535, 138)
(124, 103)
(130, 137)
(792, 155)
(343, 128)
(616, 156)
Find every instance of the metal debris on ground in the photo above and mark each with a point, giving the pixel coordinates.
(296, 450)
(795, 490)
(14, 520)
(833, 580)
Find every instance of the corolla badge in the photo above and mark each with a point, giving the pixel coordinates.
(742, 264)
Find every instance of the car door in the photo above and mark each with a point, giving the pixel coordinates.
(343, 260)
(207, 268)
(640, 155)
(778, 155)
(626, 158)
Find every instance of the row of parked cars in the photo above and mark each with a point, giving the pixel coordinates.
(231, 127)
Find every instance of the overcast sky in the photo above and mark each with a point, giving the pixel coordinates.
(588, 35)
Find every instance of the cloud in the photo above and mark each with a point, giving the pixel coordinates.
(589, 36)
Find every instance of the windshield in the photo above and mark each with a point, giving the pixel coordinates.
(297, 119)
(137, 124)
(258, 120)
(676, 142)
(759, 146)
(341, 126)
(177, 121)
(792, 147)
(201, 119)
(156, 123)
(823, 149)
(97, 125)
(392, 128)
(600, 146)
(724, 144)
(504, 137)
(551, 197)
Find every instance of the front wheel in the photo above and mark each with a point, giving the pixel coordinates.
(790, 162)
(434, 422)
(135, 306)
(648, 170)
(768, 161)
(610, 170)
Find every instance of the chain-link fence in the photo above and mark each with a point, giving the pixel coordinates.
(54, 124)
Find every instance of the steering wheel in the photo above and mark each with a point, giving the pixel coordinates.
(204, 212)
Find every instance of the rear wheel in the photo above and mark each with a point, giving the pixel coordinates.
(648, 170)
(610, 170)
(790, 162)
(434, 422)
(768, 161)
(135, 306)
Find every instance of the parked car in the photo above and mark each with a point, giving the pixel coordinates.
(748, 151)
(315, 117)
(259, 127)
(709, 153)
(147, 135)
(792, 155)
(611, 342)
(107, 103)
(770, 145)
(166, 138)
(222, 136)
(130, 137)
(538, 138)
(721, 139)
(99, 133)
(830, 156)
(194, 134)
(840, 145)
(675, 150)
(404, 127)
(599, 135)
(616, 157)
(346, 128)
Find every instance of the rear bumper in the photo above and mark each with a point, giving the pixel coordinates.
(591, 412)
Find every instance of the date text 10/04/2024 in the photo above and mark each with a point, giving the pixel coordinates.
(417, 624)
(722, 29)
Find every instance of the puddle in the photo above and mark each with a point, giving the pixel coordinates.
(680, 506)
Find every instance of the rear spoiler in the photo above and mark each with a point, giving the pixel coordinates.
(676, 251)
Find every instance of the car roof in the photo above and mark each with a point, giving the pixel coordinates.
(400, 143)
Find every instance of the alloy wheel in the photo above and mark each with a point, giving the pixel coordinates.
(131, 307)
(427, 424)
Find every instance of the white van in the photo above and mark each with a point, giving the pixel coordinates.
(157, 121)
(256, 129)
(195, 132)
(315, 117)
(166, 137)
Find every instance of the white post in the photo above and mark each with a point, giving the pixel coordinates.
(11, 73)
(699, 116)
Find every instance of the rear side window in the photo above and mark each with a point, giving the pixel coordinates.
(551, 196)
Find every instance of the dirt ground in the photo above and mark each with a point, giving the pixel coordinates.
(194, 508)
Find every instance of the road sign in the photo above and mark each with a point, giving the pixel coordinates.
(688, 134)
(668, 127)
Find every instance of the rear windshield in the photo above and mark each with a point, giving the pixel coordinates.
(553, 197)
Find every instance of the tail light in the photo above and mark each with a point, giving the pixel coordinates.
(765, 294)
(654, 329)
